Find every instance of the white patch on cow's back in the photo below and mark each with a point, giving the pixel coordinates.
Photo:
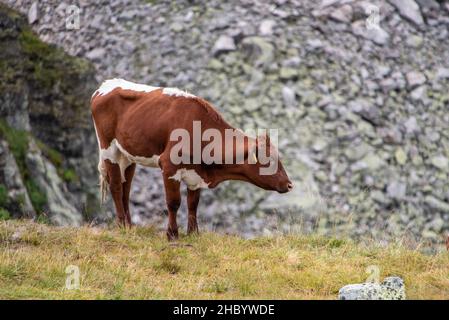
(177, 93)
(191, 178)
(109, 85)
(118, 155)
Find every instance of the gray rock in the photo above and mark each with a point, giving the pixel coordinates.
(443, 73)
(409, 9)
(415, 78)
(223, 44)
(266, 27)
(176, 26)
(396, 190)
(314, 44)
(44, 173)
(392, 288)
(440, 162)
(96, 54)
(411, 125)
(258, 50)
(436, 204)
(33, 13)
(375, 34)
(286, 73)
(342, 14)
(11, 178)
(288, 96)
(420, 93)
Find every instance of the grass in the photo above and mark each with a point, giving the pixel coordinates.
(140, 264)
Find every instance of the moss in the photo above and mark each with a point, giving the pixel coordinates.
(69, 175)
(18, 143)
(51, 154)
(37, 197)
(3, 195)
(48, 64)
(4, 214)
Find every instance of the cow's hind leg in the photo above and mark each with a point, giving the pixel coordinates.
(193, 197)
(173, 199)
(129, 174)
(116, 188)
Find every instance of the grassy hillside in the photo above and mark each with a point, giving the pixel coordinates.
(141, 264)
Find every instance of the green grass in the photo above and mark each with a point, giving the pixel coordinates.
(3, 196)
(140, 264)
(4, 214)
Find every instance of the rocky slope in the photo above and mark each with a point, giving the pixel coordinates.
(47, 145)
(360, 99)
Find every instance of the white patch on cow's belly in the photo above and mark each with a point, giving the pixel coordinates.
(191, 178)
(177, 93)
(118, 155)
(109, 85)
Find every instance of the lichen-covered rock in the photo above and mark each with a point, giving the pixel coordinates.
(392, 288)
(45, 94)
(18, 203)
(57, 207)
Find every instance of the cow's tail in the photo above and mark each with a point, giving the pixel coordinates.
(104, 185)
(103, 176)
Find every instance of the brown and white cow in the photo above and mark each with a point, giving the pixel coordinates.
(134, 122)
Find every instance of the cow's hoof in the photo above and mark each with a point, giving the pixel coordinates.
(192, 230)
(172, 235)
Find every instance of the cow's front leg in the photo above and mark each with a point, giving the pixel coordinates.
(173, 199)
(193, 197)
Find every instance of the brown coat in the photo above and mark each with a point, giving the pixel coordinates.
(134, 124)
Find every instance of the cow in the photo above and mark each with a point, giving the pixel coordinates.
(134, 124)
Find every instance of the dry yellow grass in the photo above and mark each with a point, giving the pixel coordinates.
(141, 264)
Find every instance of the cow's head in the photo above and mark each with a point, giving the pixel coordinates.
(264, 168)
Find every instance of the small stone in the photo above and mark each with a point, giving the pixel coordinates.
(319, 145)
(443, 73)
(396, 190)
(258, 50)
(176, 26)
(342, 14)
(266, 27)
(414, 79)
(288, 96)
(33, 13)
(223, 44)
(440, 162)
(401, 156)
(288, 73)
(372, 161)
(436, 204)
(96, 54)
(215, 64)
(375, 34)
(411, 125)
(357, 152)
(409, 9)
(314, 44)
(414, 41)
